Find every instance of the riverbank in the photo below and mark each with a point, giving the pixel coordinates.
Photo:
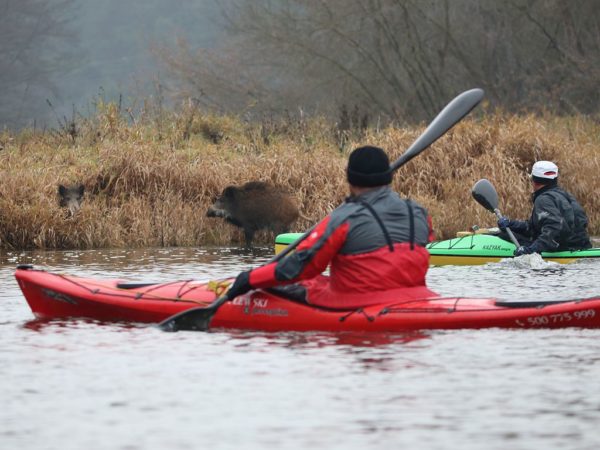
(149, 182)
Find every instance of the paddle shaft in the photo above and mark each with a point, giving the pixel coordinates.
(508, 231)
(485, 194)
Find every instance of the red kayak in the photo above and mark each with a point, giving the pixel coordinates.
(52, 295)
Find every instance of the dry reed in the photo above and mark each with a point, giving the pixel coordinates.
(149, 185)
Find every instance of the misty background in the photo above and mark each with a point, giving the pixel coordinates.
(77, 52)
(390, 60)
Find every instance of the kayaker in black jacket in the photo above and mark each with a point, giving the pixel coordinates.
(557, 223)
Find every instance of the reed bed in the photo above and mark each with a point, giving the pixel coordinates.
(149, 183)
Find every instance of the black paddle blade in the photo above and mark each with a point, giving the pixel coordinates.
(452, 113)
(195, 319)
(484, 193)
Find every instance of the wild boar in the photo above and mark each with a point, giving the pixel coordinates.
(255, 206)
(70, 197)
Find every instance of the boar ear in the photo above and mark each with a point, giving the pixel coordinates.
(81, 188)
(62, 190)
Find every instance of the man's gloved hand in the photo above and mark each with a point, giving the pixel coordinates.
(240, 286)
(503, 222)
(526, 250)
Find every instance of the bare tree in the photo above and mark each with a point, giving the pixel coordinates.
(401, 59)
(35, 45)
(223, 80)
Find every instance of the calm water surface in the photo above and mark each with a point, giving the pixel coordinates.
(85, 385)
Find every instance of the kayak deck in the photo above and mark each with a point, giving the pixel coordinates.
(52, 295)
(475, 249)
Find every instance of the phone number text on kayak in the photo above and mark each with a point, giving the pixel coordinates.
(548, 319)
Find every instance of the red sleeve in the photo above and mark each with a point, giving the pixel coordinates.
(263, 277)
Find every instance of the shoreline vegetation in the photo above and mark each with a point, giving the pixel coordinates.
(150, 180)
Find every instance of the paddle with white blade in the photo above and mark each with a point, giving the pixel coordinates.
(484, 193)
(198, 319)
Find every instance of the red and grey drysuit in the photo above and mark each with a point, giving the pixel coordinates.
(557, 223)
(375, 246)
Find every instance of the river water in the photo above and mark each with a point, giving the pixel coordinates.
(78, 384)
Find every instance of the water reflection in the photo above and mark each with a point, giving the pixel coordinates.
(243, 338)
(301, 340)
(137, 258)
(58, 325)
(511, 279)
(368, 350)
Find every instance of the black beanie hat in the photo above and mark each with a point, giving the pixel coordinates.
(369, 166)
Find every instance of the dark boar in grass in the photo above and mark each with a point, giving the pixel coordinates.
(255, 206)
(70, 197)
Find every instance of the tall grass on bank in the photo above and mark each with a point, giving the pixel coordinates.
(150, 185)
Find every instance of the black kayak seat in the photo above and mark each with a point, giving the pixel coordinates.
(530, 303)
(134, 285)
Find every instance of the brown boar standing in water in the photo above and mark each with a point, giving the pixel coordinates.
(70, 197)
(255, 206)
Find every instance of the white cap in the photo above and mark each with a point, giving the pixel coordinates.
(545, 169)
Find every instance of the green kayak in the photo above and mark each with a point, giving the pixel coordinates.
(471, 249)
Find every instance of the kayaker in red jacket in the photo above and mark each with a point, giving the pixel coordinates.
(374, 244)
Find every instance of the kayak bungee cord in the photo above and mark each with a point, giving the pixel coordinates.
(136, 295)
(358, 311)
(393, 308)
(102, 289)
